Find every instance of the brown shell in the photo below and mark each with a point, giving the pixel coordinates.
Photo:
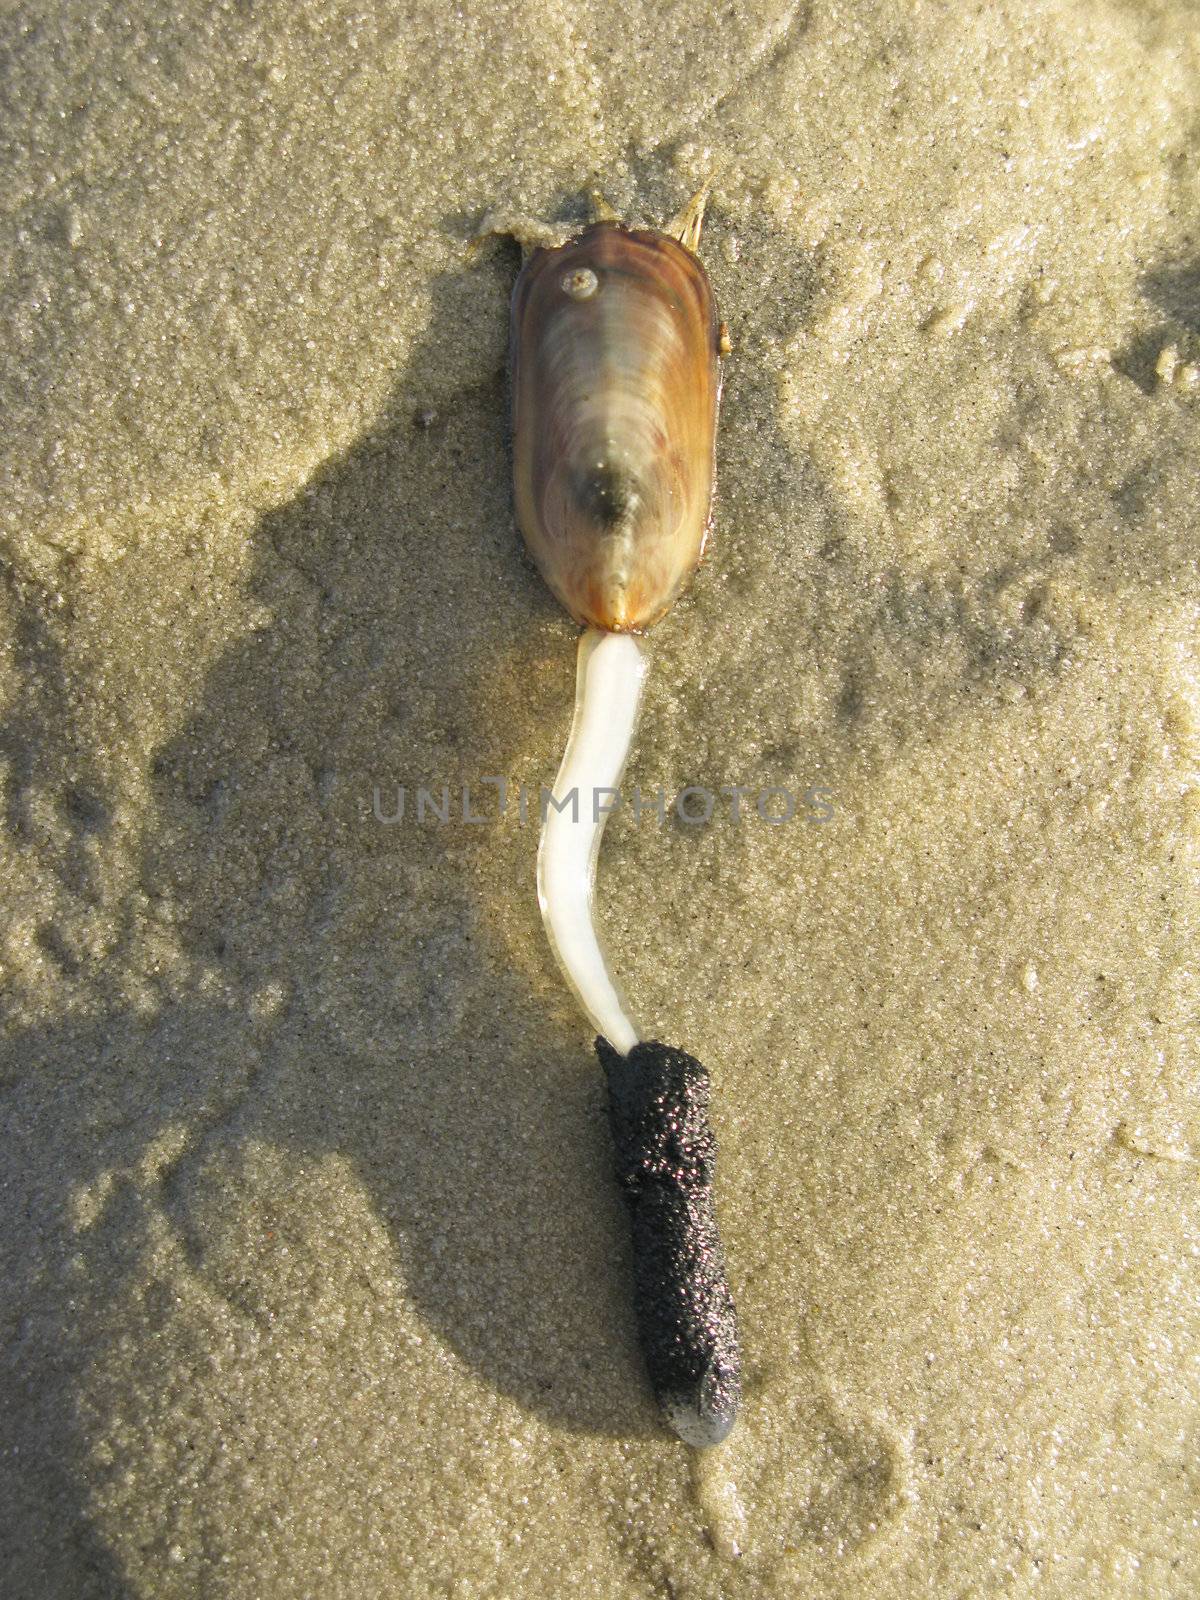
(615, 383)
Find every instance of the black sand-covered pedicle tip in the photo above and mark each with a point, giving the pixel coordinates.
(658, 1111)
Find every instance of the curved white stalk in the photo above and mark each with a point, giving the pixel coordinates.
(608, 693)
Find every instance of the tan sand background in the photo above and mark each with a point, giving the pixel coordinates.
(315, 1280)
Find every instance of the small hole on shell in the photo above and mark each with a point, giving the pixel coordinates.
(580, 284)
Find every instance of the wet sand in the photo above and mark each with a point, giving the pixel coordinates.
(315, 1279)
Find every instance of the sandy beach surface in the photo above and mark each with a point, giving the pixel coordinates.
(315, 1281)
